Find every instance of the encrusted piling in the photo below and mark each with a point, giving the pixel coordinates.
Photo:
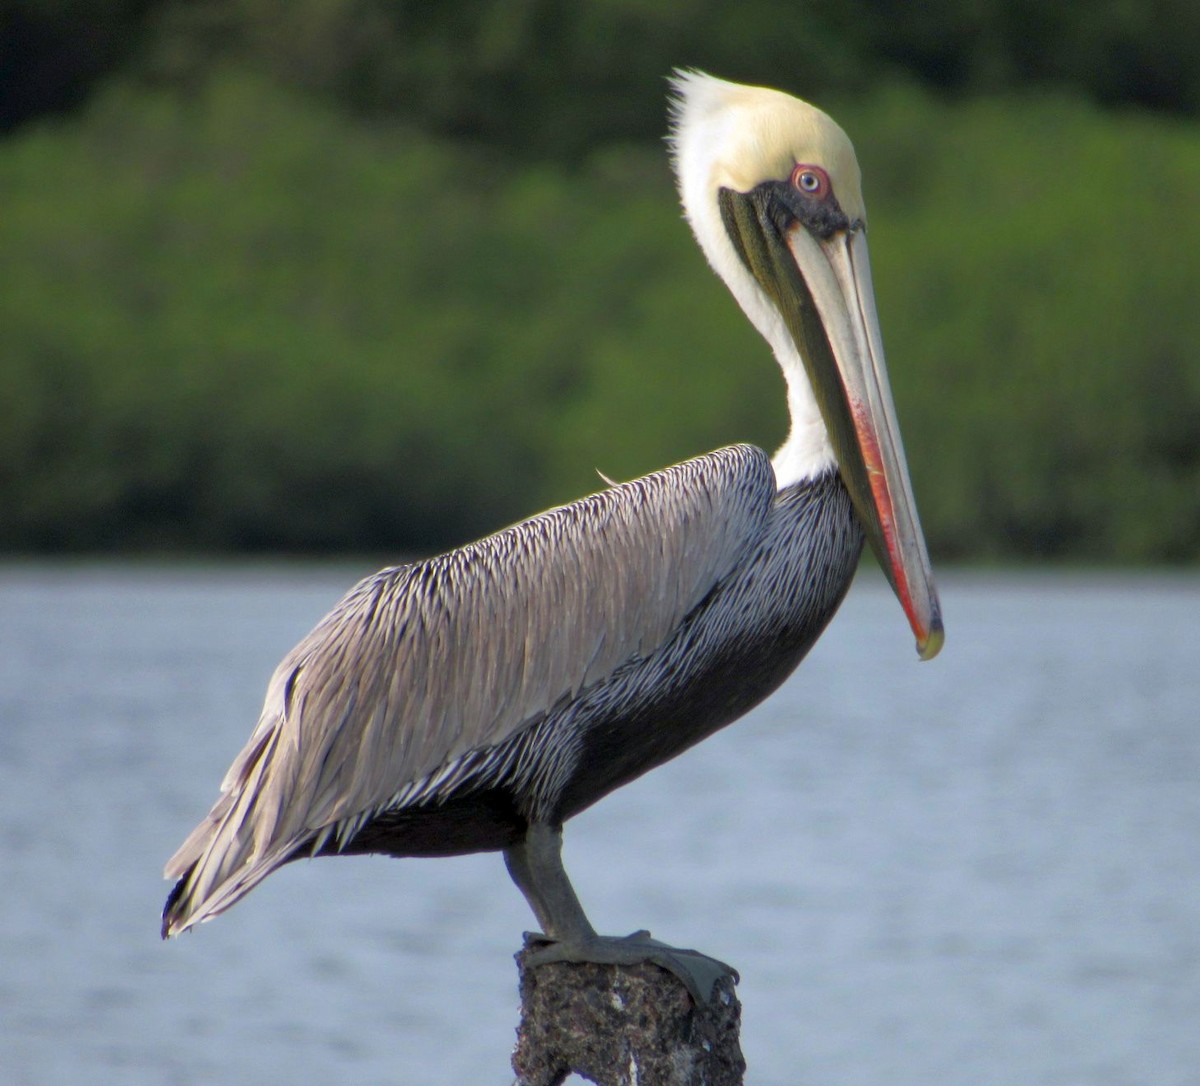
(624, 1025)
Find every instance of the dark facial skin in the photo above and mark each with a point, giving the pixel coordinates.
(806, 197)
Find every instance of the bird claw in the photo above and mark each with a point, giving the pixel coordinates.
(698, 972)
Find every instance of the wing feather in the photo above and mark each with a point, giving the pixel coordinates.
(420, 665)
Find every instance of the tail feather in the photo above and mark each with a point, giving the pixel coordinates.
(236, 846)
(195, 899)
(171, 909)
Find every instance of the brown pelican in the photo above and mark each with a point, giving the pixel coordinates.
(477, 700)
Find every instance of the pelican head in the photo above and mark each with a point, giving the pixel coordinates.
(772, 190)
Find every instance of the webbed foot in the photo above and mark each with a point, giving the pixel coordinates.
(698, 972)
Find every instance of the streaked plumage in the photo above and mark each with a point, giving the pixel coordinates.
(476, 700)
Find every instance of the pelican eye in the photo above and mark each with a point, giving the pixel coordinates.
(811, 181)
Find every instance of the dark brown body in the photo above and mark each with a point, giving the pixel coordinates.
(733, 651)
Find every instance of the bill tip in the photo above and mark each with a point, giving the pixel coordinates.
(931, 644)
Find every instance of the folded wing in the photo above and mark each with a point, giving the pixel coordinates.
(421, 665)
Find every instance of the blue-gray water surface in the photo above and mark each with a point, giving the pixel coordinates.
(984, 869)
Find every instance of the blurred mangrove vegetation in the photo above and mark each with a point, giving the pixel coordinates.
(356, 274)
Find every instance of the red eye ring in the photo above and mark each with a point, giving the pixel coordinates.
(810, 181)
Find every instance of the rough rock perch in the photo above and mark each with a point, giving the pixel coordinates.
(631, 1025)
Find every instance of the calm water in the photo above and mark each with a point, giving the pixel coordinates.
(981, 870)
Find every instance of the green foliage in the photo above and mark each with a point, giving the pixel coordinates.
(1035, 267)
(242, 321)
(239, 319)
(550, 79)
(560, 78)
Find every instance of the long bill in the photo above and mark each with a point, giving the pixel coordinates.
(822, 288)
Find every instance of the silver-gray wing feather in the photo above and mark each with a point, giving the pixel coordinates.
(420, 665)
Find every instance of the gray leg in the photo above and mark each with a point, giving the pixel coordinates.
(536, 867)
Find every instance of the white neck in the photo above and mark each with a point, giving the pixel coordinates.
(701, 127)
(807, 452)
